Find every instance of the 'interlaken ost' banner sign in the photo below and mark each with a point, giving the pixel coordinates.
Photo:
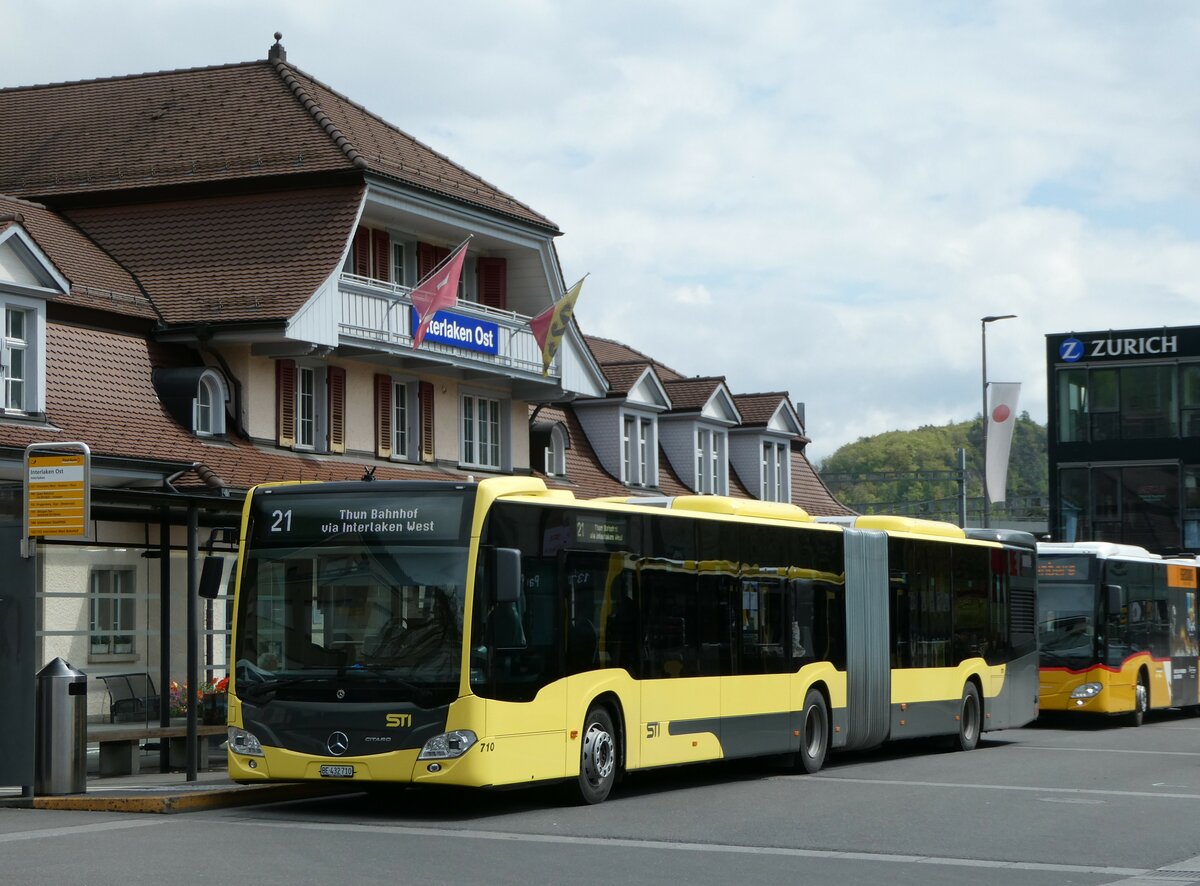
(458, 331)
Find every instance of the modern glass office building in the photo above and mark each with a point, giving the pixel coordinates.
(1124, 437)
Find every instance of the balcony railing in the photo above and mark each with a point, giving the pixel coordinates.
(379, 314)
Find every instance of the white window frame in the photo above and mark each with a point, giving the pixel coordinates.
(406, 442)
(31, 347)
(211, 388)
(639, 449)
(484, 423)
(556, 453)
(775, 471)
(319, 394)
(712, 475)
(118, 587)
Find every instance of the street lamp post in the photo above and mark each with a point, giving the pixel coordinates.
(983, 322)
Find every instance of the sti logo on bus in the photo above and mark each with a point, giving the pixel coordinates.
(396, 720)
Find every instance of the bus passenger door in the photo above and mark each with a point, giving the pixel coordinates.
(680, 718)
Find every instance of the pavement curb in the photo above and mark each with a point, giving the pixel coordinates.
(182, 801)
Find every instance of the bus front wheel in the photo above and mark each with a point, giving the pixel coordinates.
(597, 757)
(970, 719)
(1141, 700)
(814, 733)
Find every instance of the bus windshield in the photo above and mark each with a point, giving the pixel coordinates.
(351, 601)
(1067, 624)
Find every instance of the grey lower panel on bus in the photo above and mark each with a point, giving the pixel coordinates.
(1017, 703)
(751, 735)
(868, 638)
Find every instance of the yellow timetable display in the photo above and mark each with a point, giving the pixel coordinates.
(58, 494)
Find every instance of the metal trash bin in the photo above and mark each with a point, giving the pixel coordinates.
(60, 756)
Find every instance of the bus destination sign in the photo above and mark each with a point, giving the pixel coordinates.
(313, 519)
(1066, 568)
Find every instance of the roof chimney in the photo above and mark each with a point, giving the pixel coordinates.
(277, 53)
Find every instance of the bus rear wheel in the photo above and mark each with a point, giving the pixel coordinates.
(597, 757)
(814, 733)
(970, 719)
(1141, 700)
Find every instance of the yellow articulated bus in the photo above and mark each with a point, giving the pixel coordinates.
(1117, 630)
(497, 634)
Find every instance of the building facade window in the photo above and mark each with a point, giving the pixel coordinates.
(310, 406)
(401, 430)
(306, 407)
(15, 358)
(1128, 403)
(556, 453)
(208, 409)
(1126, 504)
(711, 473)
(638, 448)
(481, 440)
(112, 611)
(774, 472)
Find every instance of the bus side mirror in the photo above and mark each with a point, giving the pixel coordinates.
(1112, 598)
(508, 575)
(210, 577)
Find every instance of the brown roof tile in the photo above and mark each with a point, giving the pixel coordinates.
(221, 259)
(757, 409)
(613, 353)
(97, 281)
(810, 492)
(167, 128)
(212, 124)
(689, 394)
(389, 151)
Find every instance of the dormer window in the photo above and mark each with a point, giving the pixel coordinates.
(775, 473)
(195, 396)
(556, 452)
(712, 476)
(638, 448)
(14, 356)
(208, 409)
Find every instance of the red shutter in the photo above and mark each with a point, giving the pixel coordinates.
(426, 260)
(493, 282)
(285, 402)
(362, 252)
(381, 255)
(383, 416)
(337, 409)
(425, 404)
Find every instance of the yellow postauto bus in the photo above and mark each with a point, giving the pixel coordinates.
(1117, 629)
(497, 634)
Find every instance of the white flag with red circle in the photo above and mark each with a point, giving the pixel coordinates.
(1002, 416)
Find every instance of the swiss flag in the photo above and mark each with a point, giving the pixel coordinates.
(437, 290)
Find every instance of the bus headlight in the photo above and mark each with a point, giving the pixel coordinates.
(243, 742)
(1086, 690)
(448, 745)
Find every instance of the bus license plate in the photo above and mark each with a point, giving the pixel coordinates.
(337, 771)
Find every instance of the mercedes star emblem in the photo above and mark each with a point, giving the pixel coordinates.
(338, 744)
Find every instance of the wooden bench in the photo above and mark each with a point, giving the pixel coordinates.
(120, 746)
(131, 698)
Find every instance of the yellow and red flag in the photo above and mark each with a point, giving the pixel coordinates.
(548, 326)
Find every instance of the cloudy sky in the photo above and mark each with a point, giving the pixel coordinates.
(812, 197)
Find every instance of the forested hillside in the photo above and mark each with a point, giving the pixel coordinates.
(915, 472)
